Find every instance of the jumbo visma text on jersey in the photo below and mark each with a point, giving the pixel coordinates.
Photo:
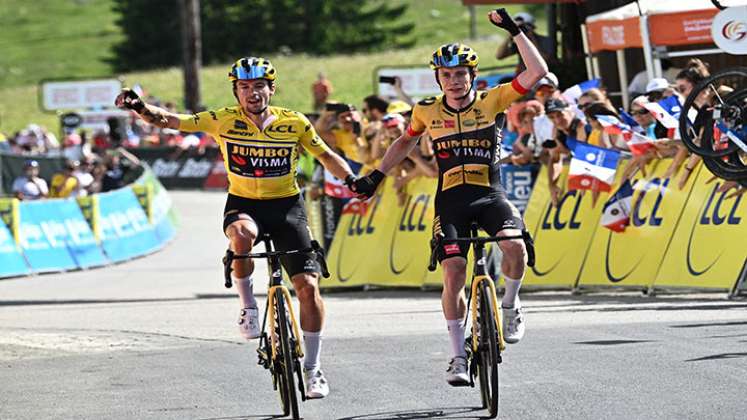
(261, 163)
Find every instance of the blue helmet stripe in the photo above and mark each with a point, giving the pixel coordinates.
(253, 72)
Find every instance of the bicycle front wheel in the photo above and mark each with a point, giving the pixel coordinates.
(488, 351)
(285, 363)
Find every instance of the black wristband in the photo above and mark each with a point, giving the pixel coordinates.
(350, 180)
(377, 176)
(508, 23)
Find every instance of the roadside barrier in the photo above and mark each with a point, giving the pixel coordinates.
(68, 234)
(688, 238)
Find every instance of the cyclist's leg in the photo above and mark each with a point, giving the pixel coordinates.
(499, 217)
(304, 272)
(453, 259)
(293, 233)
(241, 230)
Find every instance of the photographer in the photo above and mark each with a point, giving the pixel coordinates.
(544, 44)
(340, 127)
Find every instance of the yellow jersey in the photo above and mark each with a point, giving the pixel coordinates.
(260, 163)
(466, 141)
(62, 186)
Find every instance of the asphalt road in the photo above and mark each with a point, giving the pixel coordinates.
(155, 338)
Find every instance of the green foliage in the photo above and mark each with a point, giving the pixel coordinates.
(232, 29)
(152, 37)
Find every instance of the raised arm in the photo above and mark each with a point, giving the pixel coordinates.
(151, 114)
(536, 65)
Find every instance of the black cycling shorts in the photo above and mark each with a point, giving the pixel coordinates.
(284, 219)
(493, 213)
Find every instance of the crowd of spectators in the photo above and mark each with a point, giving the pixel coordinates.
(536, 132)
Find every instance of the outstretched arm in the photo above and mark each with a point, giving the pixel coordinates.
(397, 152)
(151, 114)
(536, 65)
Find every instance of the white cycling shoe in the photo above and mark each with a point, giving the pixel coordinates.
(513, 324)
(456, 374)
(249, 323)
(316, 384)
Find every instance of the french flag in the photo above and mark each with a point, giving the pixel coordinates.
(630, 121)
(637, 142)
(592, 168)
(574, 92)
(612, 125)
(616, 211)
(667, 112)
(355, 206)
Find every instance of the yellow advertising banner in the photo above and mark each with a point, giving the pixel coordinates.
(9, 215)
(406, 245)
(632, 258)
(361, 243)
(708, 248)
(561, 234)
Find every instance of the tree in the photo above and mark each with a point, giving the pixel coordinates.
(231, 29)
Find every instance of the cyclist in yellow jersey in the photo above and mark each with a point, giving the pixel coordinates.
(260, 146)
(462, 123)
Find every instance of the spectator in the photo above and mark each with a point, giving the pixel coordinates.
(342, 131)
(597, 136)
(320, 90)
(637, 86)
(547, 88)
(65, 184)
(544, 44)
(401, 94)
(84, 174)
(374, 107)
(527, 149)
(656, 88)
(29, 186)
(695, 72)
(114, 176)
(565, 125)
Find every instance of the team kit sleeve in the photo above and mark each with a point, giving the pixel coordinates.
(504, 95)
(417, 124)
(206, 122)
(310, 140)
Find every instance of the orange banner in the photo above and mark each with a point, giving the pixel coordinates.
(613, 35)
(684, 28)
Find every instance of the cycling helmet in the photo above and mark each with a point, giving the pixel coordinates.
(454, 55)
(249, 68)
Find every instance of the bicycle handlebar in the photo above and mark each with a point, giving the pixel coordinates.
(230, 256)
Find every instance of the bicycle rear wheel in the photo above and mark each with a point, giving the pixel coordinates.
(285, 363)
(487, 351)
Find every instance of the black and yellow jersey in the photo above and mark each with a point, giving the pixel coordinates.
(261, 163)
(465, 141)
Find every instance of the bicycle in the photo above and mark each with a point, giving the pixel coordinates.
(279, 351)
(486, 343)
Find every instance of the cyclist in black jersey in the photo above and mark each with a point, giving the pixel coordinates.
(462, 124)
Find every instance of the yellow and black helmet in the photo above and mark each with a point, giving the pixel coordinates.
(454, 55)
(249, 68)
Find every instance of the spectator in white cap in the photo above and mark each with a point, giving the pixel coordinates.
(544, 44)
(30, 186)
(547, 88)
(656, 88)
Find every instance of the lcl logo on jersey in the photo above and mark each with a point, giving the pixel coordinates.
(282, 128)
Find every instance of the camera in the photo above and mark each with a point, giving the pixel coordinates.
(387, 79)
(337, 108)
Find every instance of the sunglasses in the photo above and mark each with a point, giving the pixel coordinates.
(639, 112)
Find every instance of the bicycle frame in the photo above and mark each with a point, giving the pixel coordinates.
(275, 286)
